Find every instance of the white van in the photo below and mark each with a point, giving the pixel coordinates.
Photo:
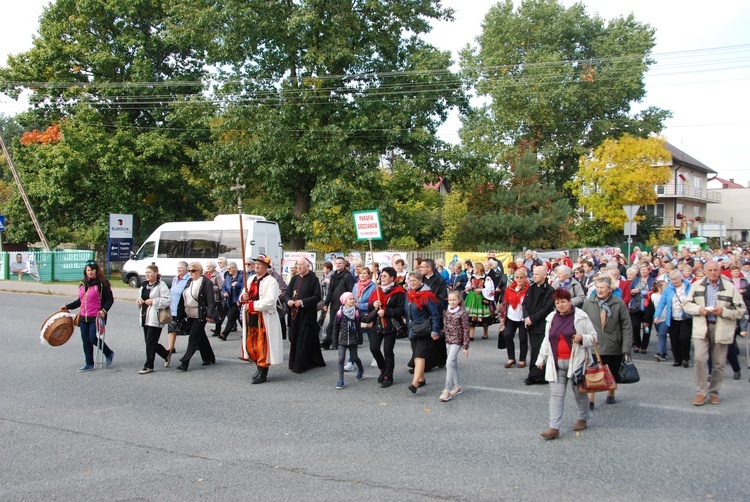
(203, 241)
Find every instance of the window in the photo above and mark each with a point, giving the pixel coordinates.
(230, 245)
(146, 251)
(656, 210)
(696, 211)
(202, 244)
(680, 208)
(172, 244)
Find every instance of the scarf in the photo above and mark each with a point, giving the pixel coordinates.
(385, 294)
(422, 297)
(513, 297)
(605, 311)
(349, 311)
(362, 285)
(454, 310)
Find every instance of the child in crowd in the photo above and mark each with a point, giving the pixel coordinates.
(347, 334)
(456, 338)
(661, 328)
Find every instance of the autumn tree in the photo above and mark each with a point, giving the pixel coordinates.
(620, 172)
(558, 78)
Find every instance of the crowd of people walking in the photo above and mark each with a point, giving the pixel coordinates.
(555, 310)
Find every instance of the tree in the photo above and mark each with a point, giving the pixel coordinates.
(315, 92)
(557, 78)
(108, 74)
(621, 172)
(521, 212)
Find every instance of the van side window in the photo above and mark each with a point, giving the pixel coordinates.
(146, 251)
(202, 244)
(172, 245)
(230, 245)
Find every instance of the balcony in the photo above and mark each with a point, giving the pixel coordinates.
(688, 192)
(677, 223)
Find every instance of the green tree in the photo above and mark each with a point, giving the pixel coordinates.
(521, 212)
(110, 74)
(316, 91)
(558, 78)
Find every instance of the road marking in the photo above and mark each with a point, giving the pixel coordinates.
(507, 391)
(683, 409)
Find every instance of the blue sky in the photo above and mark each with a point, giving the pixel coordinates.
(705, 90)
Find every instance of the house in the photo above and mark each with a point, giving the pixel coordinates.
(734, 212)
(682, 203)
(717, 182)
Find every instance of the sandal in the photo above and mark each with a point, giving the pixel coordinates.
(522, 364)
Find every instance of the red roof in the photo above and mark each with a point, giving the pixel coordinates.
(726, 183)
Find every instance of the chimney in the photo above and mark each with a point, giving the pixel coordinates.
(731, 180)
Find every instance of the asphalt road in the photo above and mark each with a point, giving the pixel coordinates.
(208, 434)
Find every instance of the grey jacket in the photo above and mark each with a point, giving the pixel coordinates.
(617, 336)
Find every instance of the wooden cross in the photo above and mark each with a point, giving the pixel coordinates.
(238, 188)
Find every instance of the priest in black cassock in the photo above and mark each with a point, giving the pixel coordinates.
(302, 296)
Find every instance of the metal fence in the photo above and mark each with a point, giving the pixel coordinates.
(63, 265)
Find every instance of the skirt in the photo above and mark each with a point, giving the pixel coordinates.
(478, 308)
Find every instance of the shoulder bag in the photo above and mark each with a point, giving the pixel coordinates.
(165, 316)
(628, 372)
(421, 329)
(597, 377)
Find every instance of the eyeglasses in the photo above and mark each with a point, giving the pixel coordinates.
(193, 270)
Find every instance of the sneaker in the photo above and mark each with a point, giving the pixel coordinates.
(86, 367)
(360, 374)
(340, 385)
(445, 396)
(374, 364)
(658, 357)
(110, 357)
(349, 367)
(737, 375)
(456, 391)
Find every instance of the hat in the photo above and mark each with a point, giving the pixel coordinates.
(345, 296)
(263, 259)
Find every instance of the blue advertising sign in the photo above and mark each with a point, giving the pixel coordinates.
(118, 249)
(2, 222)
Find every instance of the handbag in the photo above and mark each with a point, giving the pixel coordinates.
(597, 377)
(628, 373)
(366, 325)
(77, 320)
(165, 316)
(400, 327)
(421, 329)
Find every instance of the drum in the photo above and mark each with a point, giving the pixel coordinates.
(57, 329)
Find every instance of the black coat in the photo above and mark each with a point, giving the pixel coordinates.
(341, 282)
(538, 305)
(206, 302)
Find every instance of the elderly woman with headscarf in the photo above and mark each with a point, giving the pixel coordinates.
(611, 319)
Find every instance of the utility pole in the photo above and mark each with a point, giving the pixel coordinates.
(34, 219)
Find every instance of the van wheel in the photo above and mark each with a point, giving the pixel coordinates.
(134, 281)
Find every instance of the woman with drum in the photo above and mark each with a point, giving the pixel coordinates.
(94, 299)
(154, 297)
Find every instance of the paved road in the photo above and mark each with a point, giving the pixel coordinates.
(209, 435)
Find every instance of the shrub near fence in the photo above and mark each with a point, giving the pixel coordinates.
(63, 265)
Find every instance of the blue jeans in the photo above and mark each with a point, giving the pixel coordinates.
(662, 330)
(89, 338)
(451, 366)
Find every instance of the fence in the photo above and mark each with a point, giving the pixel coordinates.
(61, 265)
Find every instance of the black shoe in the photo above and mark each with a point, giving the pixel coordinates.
(208, 363)
(421, 384)
(530, 381)
(174, 351)
(387, 382)
(677, 363)
(325, 345)
(167, 359)
(611, 400)
(591, 405)
(262, 376)
(411, 371)
(381, 377)
(686, 364)
(256, 374)
(223, 337)
(412, 389)
(737, 375)
(182, 367)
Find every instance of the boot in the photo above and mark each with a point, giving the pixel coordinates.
(551, 433)
(257, 372)
(262, 376)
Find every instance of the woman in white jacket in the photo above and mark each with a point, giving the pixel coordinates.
(154, 297)
(568, 331)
